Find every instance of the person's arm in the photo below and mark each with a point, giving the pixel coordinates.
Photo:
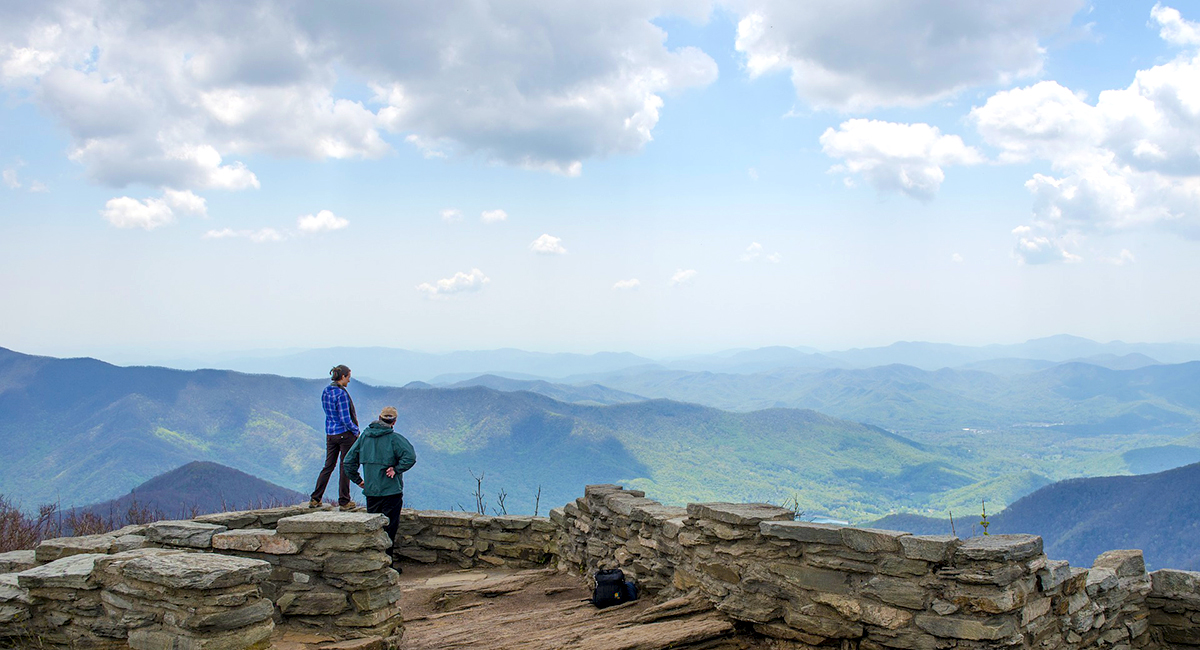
(406, 457)
(345, 422)
(350, 464)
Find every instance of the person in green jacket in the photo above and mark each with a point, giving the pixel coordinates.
(384, 455)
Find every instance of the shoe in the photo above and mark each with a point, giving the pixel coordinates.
(314, 503)
(348, 506)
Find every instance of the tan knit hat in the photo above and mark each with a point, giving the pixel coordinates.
(388, 414)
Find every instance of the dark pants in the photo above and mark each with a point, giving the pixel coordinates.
(335, 452)
(390, 506)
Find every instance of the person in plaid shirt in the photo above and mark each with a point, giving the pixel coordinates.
(341, 430)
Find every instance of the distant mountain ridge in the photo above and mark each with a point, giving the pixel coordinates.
(1080, 518)
(397, 367)
(1091, 398)
(97, 430)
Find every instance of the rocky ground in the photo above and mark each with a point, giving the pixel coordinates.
(533, 610)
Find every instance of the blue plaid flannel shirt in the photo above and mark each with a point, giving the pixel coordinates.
(337, 411)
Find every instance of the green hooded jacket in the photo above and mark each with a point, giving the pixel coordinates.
(377, 449)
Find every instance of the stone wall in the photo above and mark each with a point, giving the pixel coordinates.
(210, 584)
(468, 539)
(145, 599)
(225, 580)
(816, 585)
(1174, 603)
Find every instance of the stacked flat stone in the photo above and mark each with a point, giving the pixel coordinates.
(470, 539)
(332, 572)
(262, 518)
(16, 607)
(163, 598)
(818, 585)
(125, 539)
(66, 610)
(1174, 606)
(610, 527)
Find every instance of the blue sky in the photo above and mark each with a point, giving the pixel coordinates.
(197, 177)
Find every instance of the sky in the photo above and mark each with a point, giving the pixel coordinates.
(654, 176)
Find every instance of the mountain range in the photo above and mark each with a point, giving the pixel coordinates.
(92, 431)
(1080, 518)
(397, 367)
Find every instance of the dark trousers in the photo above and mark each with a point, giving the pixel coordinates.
(390, 506)
(335, 452)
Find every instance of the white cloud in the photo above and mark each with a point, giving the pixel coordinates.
(493, 216)
(458, 283)
(547, 245)
(1127, 161)
(11, 180)
(870, 53)
(1035, 248)
(956, 258)
(1173, 28)
(752, 173)
(126, 212)
(752, 252)
(451, 215)
(322, 221)
(895, 157)
(755, 251)
(626, 285)
(427, 147)
(1123, 258)
(682, 276)
(174, 94)
(257, 236)
(186, 202)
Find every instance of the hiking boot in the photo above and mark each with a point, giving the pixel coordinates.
(314, 503)
(348, 506)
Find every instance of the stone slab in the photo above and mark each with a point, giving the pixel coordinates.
(16, 561)
(73, 572)
(231, 520)
(197, 571)
(872, 540)
(740, 514)
(930, 548)
(448, 518)
(257, 540)
(999, 548)
(60, 547)
(189, 534)
(970, 629)
(1124, 563)
(803, 531)
(332, 522)
(1173, 583)
(254, 637)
